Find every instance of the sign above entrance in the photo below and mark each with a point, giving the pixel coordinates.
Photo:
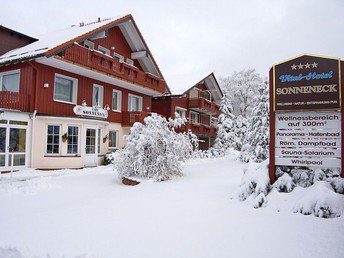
(95, 112)
(307, 83)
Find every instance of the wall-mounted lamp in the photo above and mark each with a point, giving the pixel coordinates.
(46, 85)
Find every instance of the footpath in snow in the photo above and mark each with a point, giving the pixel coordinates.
(89, 213)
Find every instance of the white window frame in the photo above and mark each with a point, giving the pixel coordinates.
(104, 49)
(130, 61)
(117, 139)
(120, 57)
(119, 101)
(89, 44)
(75, 89)
(78, 153)
(197, 117)
(140, 102)
(101, 94)
(183, 111)
(46, 140)
(8, 73)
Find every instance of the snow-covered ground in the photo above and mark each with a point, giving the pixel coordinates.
(88, 213)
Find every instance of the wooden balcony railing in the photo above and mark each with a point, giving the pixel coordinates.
(199, 129)
(14, 100)
(204, 105)
(107, 64)
(129, 118)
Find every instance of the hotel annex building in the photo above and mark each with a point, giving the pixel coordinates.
(71, 96)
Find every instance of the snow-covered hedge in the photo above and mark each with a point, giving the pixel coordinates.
(320, 195)
(255, 182)
(154, 150)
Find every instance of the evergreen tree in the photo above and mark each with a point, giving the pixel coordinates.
(225, 127)
(256, 147)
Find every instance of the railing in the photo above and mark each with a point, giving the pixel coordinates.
(201, 103)
(14, 100)
(107, 64)
(129, 118)
(199, 129)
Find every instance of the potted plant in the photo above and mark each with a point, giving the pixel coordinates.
(105, 138)
(65, 137)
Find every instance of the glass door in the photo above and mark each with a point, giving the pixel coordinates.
(17, 147)
(91, 150)
(2, 146)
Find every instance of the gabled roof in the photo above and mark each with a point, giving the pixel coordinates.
(210, 82)
(29, 38)
(53, 43)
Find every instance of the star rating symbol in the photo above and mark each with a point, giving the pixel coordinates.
(306, 66)
(315, 65)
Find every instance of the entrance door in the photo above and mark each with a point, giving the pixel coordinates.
(91, 152)
(13, 138)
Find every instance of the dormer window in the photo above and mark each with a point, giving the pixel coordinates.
(89, 44)
(130, 62)
(118, 57)
(104, 50)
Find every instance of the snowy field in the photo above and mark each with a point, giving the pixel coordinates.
(88, 213)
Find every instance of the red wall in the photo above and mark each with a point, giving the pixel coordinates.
(47, 105)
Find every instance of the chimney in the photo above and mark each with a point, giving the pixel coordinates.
(98, 19)
(82, 24)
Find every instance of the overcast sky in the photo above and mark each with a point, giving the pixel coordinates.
(190, 39)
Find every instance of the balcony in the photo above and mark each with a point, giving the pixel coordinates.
(198, 129)
(203, 105)
(129, 118)
(107, 64)
(14, 100)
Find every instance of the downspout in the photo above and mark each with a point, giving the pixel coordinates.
(34, 113)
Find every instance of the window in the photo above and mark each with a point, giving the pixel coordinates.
(130, 62)
(181, 112)
(53, 139)
(118, 57)
(194, 117)
(65, 89)
(97, 100)
(134, 103)
(9, 81)
(89, 44)
(104, 50)
(116, 100)
(73, 140)
(113, 140)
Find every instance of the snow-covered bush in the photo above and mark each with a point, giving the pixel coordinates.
(256, 142)
(109, 158)
(337, 184)
(284, 183)
(154, 150)
(321, 200)
(255, 182)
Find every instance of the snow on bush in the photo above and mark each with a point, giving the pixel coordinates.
(154, 150)
(255, 182)
(284, 183)
(256, 142)
(321, 200)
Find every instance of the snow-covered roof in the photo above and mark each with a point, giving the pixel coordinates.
(52, 43)
(52, 40)
(188, 82)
